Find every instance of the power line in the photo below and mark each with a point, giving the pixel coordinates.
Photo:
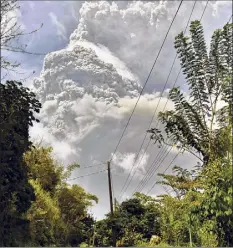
(171, 162)
(151, 170)
(163, 173)
(86, 175)
(204, 10)
(84, 167)
(164, 89)
(155, 169)
(145, 85)
(151, 121)
(138, 187)
(229, 19)
(122, 191)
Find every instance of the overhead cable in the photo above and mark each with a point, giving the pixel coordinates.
(145, 83)
(163, 173)
(145, 86)
(87, 175)
(165, 87)
(151, 121)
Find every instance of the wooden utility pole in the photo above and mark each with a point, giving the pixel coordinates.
(110, 188)
(93, 240)
(111, 204)
(115, 204)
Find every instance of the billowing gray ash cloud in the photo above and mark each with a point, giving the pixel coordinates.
(89, 88)
(89, 84)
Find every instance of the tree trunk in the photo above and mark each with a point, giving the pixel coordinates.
(190, 238)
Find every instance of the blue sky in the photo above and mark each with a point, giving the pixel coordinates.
(51, 36)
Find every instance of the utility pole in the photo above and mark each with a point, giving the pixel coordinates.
(115, 204)
(93, 240)
(111, 204)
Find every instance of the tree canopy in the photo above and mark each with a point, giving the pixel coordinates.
(196, 125)
(17, 105)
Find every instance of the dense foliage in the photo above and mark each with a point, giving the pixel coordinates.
(17, 104)
(135, 220)
(59, 215)
(203, 127)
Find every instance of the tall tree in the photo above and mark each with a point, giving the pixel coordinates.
(17, 105)
(196, 124)
(203, 127)
(59, 216)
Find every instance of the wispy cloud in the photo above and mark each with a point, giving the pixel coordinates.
(127, 160)
(61, 30)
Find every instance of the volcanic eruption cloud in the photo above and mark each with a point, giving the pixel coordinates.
(89, 88)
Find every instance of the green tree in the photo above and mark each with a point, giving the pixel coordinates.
(135, 221)
(216, 202)
(74, 202)
(46, 177)
(17, 105)
(178, 224)
(45, 218)
(43, 168)
(204, 129)
(103, 233)
(59, 216)
(181, 182)
(196, 124)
